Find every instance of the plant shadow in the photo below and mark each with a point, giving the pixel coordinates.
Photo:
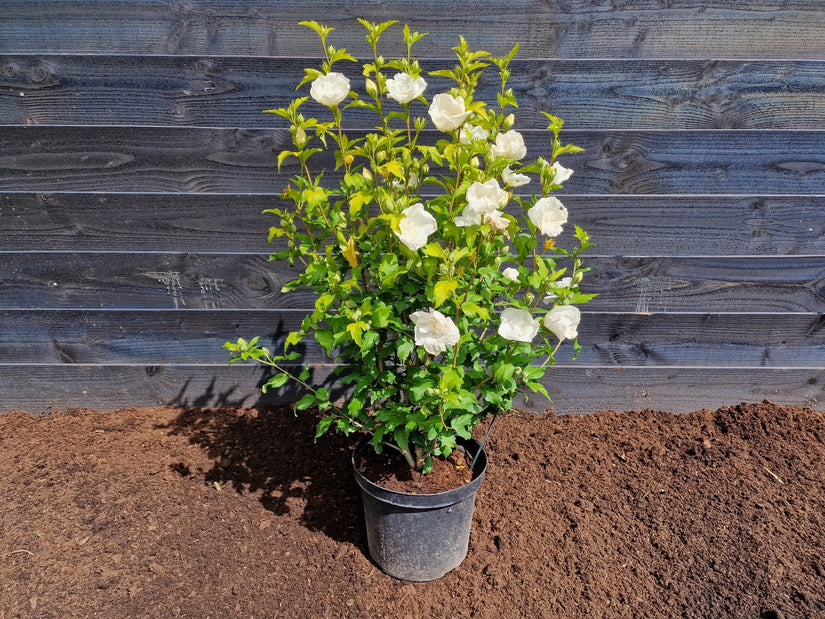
(269, 451)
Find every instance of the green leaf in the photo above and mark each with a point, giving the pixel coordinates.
(293, 339)
(539, 388)
(356, 330)
(404, 347)
(442, 290)
(324, 338)
(401, 438)
(434, 250)
(474, 310)
(460, 423)
(450, 379)
(277, 381)
(504, 371)
(323, 426)
(305, 402)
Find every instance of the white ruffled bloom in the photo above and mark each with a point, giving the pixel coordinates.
(563, 321)
(509, 145)
(416, 225)
(472, 133)
(403, 88)
(330, 89)
(447, 112)
(548, 215)
(434, 331)
(562, 173)
(514, 179)
(518, 325)
(510, 273)
(486, 197)
(483, 203)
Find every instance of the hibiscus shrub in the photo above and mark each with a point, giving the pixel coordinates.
(441, 293)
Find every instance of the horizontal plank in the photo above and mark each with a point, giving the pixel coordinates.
(588, 94)
(91, 280)
(575, 389)
(162, 159)
(574, 29)
(608, 339)
(620, 225)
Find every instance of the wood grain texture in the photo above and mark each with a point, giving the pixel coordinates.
(196, 337)
(44, 280)
(135, 163)
(189, 160)
(575, 389)
(706, 225)
(552, 28)
(605, 94)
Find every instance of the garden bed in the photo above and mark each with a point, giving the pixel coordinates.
(160, 512)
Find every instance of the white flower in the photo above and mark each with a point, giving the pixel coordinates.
(447, 112)
(564, 282)
(509, 145)
(434, 331)
(562, 173)
(486, 197)
(403, 88)
(471, 133)
(416, 226)
(469, 217)
(330, 89)
(513, 179)
(510, 273)
(548, 215)
(518, 325)
(563, 321)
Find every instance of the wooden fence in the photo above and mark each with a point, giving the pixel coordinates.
(135, 163)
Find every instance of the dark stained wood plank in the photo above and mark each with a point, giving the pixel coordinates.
(562, 28)
(45, 280)
(607, 339)
(42, 389)
(147, 159)
(135, 222)
(218, 92)
(620, 225)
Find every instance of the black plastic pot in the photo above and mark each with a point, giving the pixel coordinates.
(419, 537)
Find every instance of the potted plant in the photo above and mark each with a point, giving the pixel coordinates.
(441, 293)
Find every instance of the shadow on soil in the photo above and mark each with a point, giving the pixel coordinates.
(270, 451)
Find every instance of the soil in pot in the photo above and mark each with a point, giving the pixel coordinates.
(390, 470)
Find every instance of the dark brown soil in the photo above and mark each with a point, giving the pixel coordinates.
(390, 470)
(233, 513)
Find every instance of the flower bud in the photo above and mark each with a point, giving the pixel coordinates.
(509, 122)
(366, 174)
(300, 137)
(372, 88)
(475, 162)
